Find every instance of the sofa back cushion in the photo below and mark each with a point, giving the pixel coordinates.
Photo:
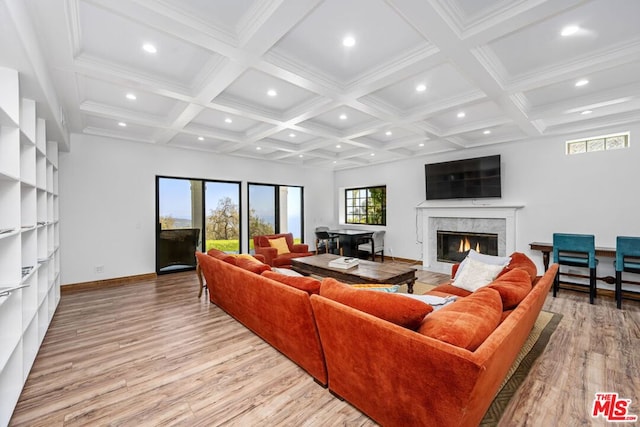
(512, 286)
(467, 322)
(307, 284)
(251, 264)
(222, 256)
(521, 261)
(398, 309)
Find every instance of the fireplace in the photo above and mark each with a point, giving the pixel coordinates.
(498, 218)
(453, 246)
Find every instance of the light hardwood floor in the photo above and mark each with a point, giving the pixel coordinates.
(151, 353)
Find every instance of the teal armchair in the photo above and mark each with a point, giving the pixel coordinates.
(627, 259)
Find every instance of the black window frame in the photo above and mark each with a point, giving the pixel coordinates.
(348, 218)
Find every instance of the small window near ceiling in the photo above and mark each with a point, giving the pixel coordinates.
(598, 143)
(367, 205)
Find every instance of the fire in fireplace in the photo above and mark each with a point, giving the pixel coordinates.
(453, 246)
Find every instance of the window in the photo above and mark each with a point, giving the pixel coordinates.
(275, 209)
(194, 215)
(366, 205)
(598, 143)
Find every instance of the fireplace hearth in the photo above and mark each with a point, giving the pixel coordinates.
(453, 246)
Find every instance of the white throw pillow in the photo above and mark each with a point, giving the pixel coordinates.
(489, 259)
(476, 274)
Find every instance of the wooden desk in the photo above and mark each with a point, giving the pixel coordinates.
(547, 248)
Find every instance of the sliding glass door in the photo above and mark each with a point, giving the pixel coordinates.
(275, 209)
(194, 215)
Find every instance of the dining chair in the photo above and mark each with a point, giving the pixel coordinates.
(373, 245)
(576, 250)
(627, 260)
(327, 242)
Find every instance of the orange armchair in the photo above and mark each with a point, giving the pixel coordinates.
(279, 257)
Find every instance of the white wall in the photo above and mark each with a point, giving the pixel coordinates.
(107, 200)
(591, 193)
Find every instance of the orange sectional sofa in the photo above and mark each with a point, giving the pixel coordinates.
(393, 357)
(278, 313)
(404, 377)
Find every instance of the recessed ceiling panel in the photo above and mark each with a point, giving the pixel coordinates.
(224, 121)
(118, 128)
(127, 98)
(221, 13)
(600, 26)
(264, 91)
(118, 40)
(378, 32)
(425, 89)
(498, 134)
(465, 116)
(342, 118)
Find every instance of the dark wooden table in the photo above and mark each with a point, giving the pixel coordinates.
(547, 248)
(349, 238)
(364, 272)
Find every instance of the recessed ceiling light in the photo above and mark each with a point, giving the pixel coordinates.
(338, 146)
(388, 133)
(272, 92)
(228, 120)
(372, 154)
(122, 124)
(292, 135)
(258, 148)
(149, 48)
(200, 138)
(486, 132)
(421, 144)
(582, 82)
(132, 96)
(335, 161)
(343, 117)
(587, 112)
(461, 114)
(421, 87)
(300, 155)
(569, 30)
(348, 41)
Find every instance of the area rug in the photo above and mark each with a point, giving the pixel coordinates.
(533, 347)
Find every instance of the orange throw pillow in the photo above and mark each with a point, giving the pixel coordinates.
(280, 244)
(307, 284)
(466, 322)
(520, 260)
(513, 286)
(398, 309)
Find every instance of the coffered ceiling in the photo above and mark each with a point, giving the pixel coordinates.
(491, 72)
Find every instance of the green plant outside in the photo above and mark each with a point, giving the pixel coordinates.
(231, 246)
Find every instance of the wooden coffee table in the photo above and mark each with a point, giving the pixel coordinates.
(364, 272)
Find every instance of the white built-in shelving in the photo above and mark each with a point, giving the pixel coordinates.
(29, 238)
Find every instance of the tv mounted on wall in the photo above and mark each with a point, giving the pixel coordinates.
(475, 178)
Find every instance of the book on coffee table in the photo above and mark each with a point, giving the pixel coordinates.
(344, 262)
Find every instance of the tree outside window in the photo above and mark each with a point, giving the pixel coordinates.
(367, 205)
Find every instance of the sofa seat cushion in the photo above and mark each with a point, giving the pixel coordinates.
(467, 322)
(512, 286)
(523, 262)
(223, 256)
(402, 311)
(304, 283)
(447, 289)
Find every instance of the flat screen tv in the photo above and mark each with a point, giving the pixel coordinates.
(475, 178)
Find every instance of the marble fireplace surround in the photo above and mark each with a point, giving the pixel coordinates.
(493, 218)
